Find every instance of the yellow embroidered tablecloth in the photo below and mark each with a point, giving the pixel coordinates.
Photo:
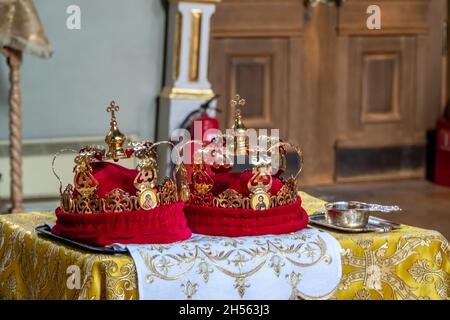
(409, 263)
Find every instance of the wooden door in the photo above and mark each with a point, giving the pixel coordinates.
(358, 101)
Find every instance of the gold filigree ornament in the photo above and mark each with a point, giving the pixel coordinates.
(182, 183)
(259, 186)
(145, 182)
(201, 180)
(230, 199)
(81, 197)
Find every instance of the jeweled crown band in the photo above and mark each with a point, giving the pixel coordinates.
(115, 201)
(230, 198)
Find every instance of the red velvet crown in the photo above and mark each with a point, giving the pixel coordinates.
(109, 203)
(254, 202)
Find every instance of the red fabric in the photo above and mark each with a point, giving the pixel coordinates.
(111, 176)
(238, 181)
(246, 222)
(164, 224)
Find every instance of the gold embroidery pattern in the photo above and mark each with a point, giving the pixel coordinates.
(189, 289)
(276, 263)
(241, 284)
(204, 269)
(428, 272)
(294, 279)
(119, 279)
(237, 262)
(362, 294)
(377, 269)
(23, 255)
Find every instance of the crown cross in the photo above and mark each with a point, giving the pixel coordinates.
(238, 102)
(114, 139)
(113, 108)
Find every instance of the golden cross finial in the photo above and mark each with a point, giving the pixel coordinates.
(113, 108)
(114, 139)
(237, 102)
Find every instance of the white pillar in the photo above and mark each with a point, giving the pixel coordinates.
(186, 84)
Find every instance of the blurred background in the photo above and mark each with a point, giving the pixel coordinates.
(364, 103)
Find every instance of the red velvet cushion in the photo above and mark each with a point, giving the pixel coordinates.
(246, 222)
(164, 224)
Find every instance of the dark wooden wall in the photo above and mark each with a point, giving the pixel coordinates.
(358, 101)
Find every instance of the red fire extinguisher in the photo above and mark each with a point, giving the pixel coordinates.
(198, 122)
(199, 119)
(442, 167)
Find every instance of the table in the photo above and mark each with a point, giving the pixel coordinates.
(409, 263)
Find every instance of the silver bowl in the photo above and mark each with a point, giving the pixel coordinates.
(347, 214)
(353, 214)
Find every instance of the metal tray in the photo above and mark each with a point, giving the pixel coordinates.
(45, 230)
(375, 224)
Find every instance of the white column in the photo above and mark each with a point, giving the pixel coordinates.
(186, 84)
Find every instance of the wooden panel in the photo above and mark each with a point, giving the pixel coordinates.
(257, 70)
(397, 17)
(382, 72)
(380, 87)
(251, 83)
(257, 18)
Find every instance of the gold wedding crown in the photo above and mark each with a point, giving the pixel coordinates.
(82, 196)
(234, 143)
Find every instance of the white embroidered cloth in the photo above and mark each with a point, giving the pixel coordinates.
(305, 264)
